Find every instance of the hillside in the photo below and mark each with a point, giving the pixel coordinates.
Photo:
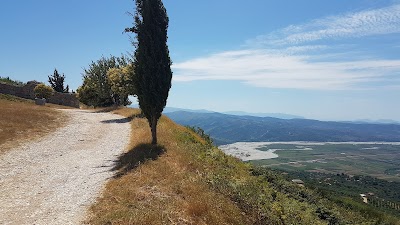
(225, 129)
(21, 120)
(185, 180)
(346, 190)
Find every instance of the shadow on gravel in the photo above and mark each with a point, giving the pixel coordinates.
(122, 120)
(105, 110)
(125, 120)
(138, 155)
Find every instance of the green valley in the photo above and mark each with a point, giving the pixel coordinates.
(379, 160)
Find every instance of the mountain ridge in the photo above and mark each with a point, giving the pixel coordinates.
(226, 129)
(235, 113)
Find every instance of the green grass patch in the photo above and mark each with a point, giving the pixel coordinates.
(363, 159)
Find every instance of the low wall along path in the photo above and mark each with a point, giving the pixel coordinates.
(26, 91)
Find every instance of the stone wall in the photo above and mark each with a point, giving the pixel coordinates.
(19, 91)
(26, 91)
(66, 99)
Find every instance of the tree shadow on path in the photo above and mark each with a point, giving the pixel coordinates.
(136, 156)
(126, 119)
(105, 110)
(122, 120)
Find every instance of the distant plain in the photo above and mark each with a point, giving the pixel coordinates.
(380, 160)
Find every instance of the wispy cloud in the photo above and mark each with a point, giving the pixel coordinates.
(291, 63)
(263, 69)
(365, 23)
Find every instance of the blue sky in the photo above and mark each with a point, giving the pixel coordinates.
(329, 60)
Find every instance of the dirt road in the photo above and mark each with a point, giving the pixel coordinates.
(55, 179)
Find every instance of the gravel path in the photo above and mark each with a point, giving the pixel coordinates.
(54, 180)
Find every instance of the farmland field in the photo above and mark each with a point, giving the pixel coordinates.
(380, 160)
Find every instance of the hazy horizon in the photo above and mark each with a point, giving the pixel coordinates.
(295, 115)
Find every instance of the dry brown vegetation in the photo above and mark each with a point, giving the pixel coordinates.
(160, 185)
(181, 181)
(21, 119)
(185, 180)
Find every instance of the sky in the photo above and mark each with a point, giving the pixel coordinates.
(326, 60)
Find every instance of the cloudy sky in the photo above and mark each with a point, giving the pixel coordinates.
(329, 60)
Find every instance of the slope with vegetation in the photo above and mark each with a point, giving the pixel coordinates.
(226, 129)
(8, 80)
(185, 180)
(383, 197)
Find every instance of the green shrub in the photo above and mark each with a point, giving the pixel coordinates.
(43, 91)
(199, 131)
(8, 80)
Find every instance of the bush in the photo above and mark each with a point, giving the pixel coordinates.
(121, 84)
(43, 91)
(8, 80)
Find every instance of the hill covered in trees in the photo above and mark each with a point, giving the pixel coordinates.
(225, 129)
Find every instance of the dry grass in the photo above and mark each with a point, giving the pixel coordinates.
(184, 180)
(22, 120)
(160, 184)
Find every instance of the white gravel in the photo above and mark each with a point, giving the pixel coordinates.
(54, 180)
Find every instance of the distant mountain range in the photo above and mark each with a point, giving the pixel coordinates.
(374, 121)
(225, 129)
(173, 109)
(275, 115)
(236, 113)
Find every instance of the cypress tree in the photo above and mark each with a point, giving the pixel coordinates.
(152, 62)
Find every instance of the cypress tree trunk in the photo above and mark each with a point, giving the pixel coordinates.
(154, 130)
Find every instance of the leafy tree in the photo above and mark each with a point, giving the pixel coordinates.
(121, 85)
(152, 62)
(87, 93)
(57, 82)
(96, 89)
(43, 91)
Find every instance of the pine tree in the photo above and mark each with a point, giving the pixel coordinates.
(57, 82)
(152, 65)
